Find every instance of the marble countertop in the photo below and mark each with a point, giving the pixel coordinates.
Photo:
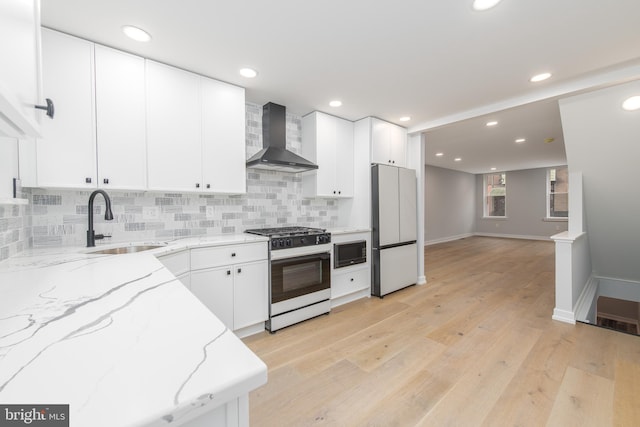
(116, 337)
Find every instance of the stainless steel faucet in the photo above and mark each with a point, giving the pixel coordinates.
(108, 215)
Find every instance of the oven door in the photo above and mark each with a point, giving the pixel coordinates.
(299, 276)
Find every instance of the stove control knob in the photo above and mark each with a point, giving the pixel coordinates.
(289, 242)
(274, 243)
(281, 243)
(303, 240)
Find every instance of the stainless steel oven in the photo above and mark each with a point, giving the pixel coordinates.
(300, 274)
(349, 253)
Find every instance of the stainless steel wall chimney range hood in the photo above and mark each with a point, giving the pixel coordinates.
(274, 155)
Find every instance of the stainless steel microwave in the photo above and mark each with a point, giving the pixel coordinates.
(349, 253)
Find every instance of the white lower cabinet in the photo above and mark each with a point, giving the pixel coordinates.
(214, 287)
(353, 280)
(232, 281)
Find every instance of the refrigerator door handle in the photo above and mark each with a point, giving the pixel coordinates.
(395, 245)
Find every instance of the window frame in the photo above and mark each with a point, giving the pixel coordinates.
(548, 194)
(485, 204)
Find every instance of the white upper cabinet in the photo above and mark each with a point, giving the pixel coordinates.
(66, 154)
(20, 70)
(120, 117)
(195, 132)
(388, 143)
(223, 137)
(173, 129)
(123, 122)
(328, 141)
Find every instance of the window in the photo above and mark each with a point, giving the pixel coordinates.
(495, 194)
(558, 192)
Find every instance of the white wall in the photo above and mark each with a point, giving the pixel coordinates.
(603, 142)
(449, 204)
(526, 207)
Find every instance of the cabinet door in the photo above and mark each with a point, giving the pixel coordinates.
(214, 288)
(66, 155)
(20, 70)
(380, 142)
(398, 145)
(326, 155)
(344, 159)
(251, 300)
(8, 167)
(120, 117)
(223, 137)
(173, 129)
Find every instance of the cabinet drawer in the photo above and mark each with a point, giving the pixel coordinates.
(350, 281)
(227, 255)
(177, 263)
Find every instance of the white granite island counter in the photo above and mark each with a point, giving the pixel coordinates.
(120, 340)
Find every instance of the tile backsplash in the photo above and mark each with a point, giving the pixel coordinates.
(59, 217)
(14, 229)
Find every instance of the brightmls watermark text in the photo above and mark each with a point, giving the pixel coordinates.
(34, 415)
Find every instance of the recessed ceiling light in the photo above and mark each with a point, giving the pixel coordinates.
(492, 123)
(493, 169)
(540, 77)
(248, 73)
(335, 103)
(457, 159)
(405, 119)
(520, 140)
(439, 154)
(484, 4)
(632, 103)
(136, 33)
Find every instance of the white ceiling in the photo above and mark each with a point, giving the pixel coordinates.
(437, 61)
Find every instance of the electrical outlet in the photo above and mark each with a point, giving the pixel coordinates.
(210, 212)
(151, 212)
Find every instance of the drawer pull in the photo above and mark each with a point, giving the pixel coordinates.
(239, 270)
(233, 254)
(351, 280)
(228, 272)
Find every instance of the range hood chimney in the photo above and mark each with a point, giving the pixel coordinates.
(274, 154)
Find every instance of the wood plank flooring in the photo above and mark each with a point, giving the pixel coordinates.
(474, 346)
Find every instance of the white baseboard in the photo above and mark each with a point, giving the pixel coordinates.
(447, 239)
(513, 236)
(249, 330)
(585, 300)
(344, 299)
(563, 316)
(422, 280)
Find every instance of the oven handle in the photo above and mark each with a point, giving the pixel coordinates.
(323, 256)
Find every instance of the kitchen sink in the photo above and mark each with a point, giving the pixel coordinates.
(130, 249)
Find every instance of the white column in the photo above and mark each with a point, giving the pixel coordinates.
(415, 160)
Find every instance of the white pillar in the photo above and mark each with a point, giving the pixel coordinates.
(415, 160)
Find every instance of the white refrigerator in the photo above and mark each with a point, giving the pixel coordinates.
(394, 229)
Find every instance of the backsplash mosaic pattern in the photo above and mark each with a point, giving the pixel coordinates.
(14, 230)
(59, 217)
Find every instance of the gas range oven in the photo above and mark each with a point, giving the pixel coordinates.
(300, 274)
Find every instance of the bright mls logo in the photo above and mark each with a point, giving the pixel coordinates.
(34, 415)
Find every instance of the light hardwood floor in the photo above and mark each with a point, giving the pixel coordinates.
(474, 346)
